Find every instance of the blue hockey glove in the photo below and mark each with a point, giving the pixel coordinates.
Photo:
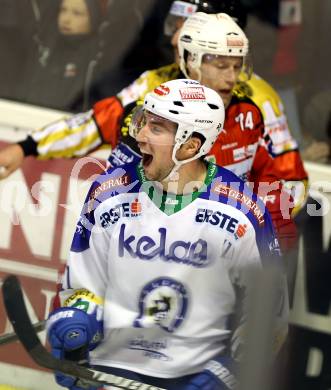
(218, 374)
(72, 333)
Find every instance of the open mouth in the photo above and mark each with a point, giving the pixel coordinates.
(146, 159)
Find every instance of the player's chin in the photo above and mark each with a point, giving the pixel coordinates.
(226, 97)
(151, 175)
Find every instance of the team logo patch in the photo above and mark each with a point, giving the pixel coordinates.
(192, 93)
(162, 90)
(135, 207)
(241, 231)
(163, 302)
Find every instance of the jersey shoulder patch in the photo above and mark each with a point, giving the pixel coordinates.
(114, 181)
(230, 189)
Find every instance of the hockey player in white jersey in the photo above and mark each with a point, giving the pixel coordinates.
(161, 252)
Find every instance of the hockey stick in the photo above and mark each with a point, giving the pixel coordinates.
(10, 337)
(19, 318)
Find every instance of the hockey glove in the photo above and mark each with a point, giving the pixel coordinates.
(218, 374)
(72, 333)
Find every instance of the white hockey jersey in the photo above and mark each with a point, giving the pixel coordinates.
(168, 268)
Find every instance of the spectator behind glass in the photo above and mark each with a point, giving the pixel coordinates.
(317, 128)
(18, 24)
(66, 62)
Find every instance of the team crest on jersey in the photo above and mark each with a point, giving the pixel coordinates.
(163, 302)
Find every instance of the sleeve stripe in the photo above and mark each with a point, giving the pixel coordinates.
(86, 145)
(71, 135)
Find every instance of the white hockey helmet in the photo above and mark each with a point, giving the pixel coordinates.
(192, 106)
(216, 34)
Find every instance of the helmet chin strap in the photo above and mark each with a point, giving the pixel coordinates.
(177, 164)
(195, 67)
(198, 73)
(173, 174)
(198, 70)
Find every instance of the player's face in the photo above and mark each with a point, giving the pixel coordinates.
(74, 17)
(156, 140)
(220, 73)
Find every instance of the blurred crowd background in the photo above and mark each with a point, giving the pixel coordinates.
(46, 62)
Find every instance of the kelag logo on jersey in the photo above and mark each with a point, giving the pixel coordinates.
(145, 248)
(128, 210)
(162, 302)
